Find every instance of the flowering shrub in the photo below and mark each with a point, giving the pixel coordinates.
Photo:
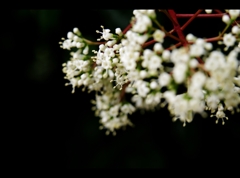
(124, 64)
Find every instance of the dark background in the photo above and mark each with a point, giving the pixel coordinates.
(47, 126)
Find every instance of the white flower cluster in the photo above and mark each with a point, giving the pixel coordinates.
(124, 66)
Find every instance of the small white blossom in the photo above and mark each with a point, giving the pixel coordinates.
(166, 54)
(153, 85)
(157, 47)
(164, 79)
(198, 79)
(118, 31)
(143, 89)
(208, 46)
(235, 30)
(76, 31)
(158, 35)
(154, 62)
(143, 74)
(179, 72)
(193, 63)
(190, 38)
(234, 13)
(106, 35)
(229, 39)
(208, 11)
(196, 50)
(225, 18)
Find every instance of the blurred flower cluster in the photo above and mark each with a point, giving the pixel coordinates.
(134, 69)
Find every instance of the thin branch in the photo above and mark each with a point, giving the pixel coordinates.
(166, 32)
(122, 94)
(200, 15)
(177, 27)
(191, 19)
(127, 28)
(174, 46)
(217, 38)
(148, 43)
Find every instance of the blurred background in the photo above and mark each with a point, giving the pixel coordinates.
(51, 127)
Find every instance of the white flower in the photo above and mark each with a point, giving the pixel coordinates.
(143, 74)
(138, 100)
(212, 101)
(208, 46)
(154, 62)
(179, 72)
(166, 54)
(157, 47)
(142, 23)
(234, 13)
(235, 30)
(215, 60)
(76, 31)
(196, 50)
(115, 60)
(106, 35)
(180, 55)
(200, 42)
(106, 64)
(229, 39)
(127, 108)
(208, 11)
(190, 38)
(225, 18)
(158, 35)
(151, 13)
(211, 84)
(73, 82)
(197, 105)
(169, 96)
(79, 45)
(195, 91)
(85, 51)
(118, 31)
(236, 80)
(130, 64)
(149, 99)
(164, 79)
(133, 75)
(67, 44)
(198, 79)
(153, 85)
(70, 35)
(141, 39)
(193, 63)
(147, 53)
(143, 89)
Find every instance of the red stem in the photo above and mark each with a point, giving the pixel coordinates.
(122, 94)
(191, 19)
(213, 39)
(200, 60)
(174, 46)
(177, 27)
(127, 28)
(148, 43)
(200, 15)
